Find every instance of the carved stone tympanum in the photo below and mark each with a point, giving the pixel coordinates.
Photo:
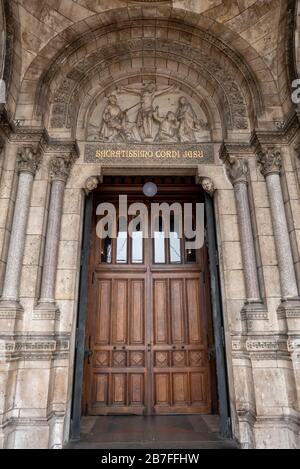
(150, 120)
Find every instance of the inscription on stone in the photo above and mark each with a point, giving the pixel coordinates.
(149, 154)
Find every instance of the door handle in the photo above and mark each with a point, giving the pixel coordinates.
(211, 353)
(149, 347)
(88, 355)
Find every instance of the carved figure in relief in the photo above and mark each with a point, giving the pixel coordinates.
(168, 127)
(188, 121)
(114, 123)
(147, 95)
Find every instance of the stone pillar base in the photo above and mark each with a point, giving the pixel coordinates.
(46, 311)
(288, 315)
(255, 316)
(11, 311)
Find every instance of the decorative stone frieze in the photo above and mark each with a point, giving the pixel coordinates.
(35, 347)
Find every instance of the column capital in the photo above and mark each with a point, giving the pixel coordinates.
(61, 166)
(270, 161)
(237, 170)
(29, 159)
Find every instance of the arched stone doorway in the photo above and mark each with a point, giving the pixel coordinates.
(165, 368)
(79, 109)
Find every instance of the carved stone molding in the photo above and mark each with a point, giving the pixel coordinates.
(270, 161)
(52, 145)
(208, 186)
(29, 159)
(34, 347)
(236, 149)
(237, 170)
(92, 183)
(61, 166)
(284, 135)
(66, 95)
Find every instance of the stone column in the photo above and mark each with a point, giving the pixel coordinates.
(28, 163)
(60, 168)
(237, 170)
(1, 157)
(270, 162)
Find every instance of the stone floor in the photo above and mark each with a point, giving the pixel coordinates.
(164, 432)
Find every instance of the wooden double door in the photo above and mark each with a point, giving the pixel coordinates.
(149, 331)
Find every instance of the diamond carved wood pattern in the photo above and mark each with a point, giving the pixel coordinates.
(161, 359)
(102, 359)
(179, 358)
(196, 359)
(137, 359)
(119, 359)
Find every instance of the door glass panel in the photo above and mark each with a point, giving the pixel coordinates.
(159, 245)
(159, 248)
(190, 254)
(175, 255)
(122, 248)
(137, 246)
(175, 244)
(106, 251)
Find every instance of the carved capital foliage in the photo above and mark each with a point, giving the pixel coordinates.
(208, 186)
(237, 170)
(29, 159)
(270, 161)
(61, 166)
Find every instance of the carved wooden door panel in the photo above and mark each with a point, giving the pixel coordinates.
(118, 369)
(148, 331)
(180, 352)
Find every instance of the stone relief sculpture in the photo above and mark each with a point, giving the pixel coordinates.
(147, 95)
(149, 126)
(168, 127)
(188, 121)
(114, 126)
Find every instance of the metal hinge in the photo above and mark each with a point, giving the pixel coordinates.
(93, 278)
